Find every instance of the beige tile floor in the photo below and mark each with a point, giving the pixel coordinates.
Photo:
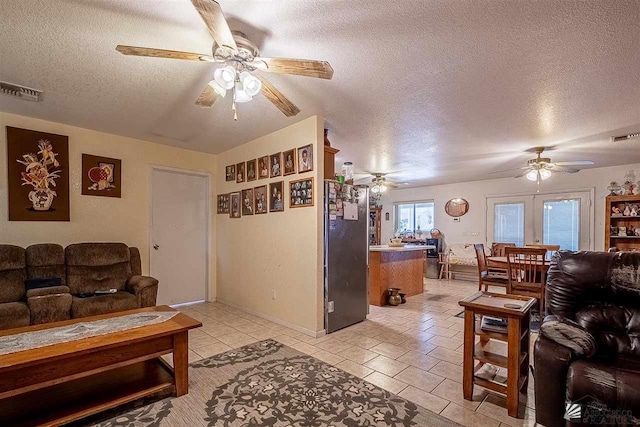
(414, 350)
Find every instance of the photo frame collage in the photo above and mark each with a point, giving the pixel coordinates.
(269, 197)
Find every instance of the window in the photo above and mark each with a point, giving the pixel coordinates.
(508, 224)
(561, 223)
(410, 216)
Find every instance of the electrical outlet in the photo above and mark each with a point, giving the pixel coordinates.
(330, 306)
(273, 294)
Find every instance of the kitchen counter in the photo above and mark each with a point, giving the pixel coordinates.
(395, 268)
(387, 248)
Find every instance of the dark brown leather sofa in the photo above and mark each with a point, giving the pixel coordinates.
(81, 269)
(600, 292)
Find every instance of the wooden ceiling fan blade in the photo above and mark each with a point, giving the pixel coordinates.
(297, 67)
(276, 97)
(162, 53)
(212, 15)
(576, 163)
(208, 97)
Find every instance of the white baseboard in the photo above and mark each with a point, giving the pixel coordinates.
(309, 332)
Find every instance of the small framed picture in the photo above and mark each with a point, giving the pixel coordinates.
(301, 193)
(101, 176)
(289, 158)
(275, 165)
(234, 211)
(260, 196)
(276, 196)
(263, 167)
(247, 202)
(230, 174)
(305, 158)
(240, 169)
(223, 203)
(252, 170)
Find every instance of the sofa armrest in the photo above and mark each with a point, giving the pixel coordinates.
(145, 288)
(552, 362)
(51, 290)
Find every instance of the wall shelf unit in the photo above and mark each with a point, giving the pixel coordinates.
(613, 223)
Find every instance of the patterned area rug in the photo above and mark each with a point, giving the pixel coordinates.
(268, 384)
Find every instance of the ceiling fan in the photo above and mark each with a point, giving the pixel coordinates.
(380, 183)
(240, 59)
(542, 168)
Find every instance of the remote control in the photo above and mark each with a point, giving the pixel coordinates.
(110, 291)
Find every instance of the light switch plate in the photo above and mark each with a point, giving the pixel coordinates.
(330, 306)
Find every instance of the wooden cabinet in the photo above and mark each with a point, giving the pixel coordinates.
(630, 240)
(375, 225)
(330, 162)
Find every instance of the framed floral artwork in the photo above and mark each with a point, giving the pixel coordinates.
(101, 176)
(38, 175)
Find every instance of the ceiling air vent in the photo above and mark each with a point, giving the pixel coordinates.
(21, 92)
(625, 137)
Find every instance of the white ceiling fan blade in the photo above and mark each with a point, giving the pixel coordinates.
(212, 15)
(553, 167)
(509, 170)
(523, 173)
(576, 163)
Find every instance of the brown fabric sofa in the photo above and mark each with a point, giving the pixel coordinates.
(600, 292)
(81, 269)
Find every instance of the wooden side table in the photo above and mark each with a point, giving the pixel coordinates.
(517, 336)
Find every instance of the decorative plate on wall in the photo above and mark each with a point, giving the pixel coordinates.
(456, 207)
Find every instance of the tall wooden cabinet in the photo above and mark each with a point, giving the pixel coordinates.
(629, 240)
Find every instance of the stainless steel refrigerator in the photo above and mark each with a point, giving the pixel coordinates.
(346, 254)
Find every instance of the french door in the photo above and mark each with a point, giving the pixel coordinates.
(550, 219)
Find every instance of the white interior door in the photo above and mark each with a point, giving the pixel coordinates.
(179, 235)
(563, 219)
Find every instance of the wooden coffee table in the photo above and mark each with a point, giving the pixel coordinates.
(60, 383)
(517, 337)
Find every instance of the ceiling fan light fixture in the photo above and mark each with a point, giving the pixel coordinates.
(250, 83)
(545, 174)
(217, 88)
(532, 175)
(225, 77)
(240, 94)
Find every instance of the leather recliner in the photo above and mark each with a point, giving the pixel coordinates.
(601, 293)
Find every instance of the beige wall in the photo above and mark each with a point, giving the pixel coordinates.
(280, 251)
(472, 227)
(103, 218)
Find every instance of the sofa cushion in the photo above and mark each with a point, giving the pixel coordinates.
(12, 273)
(625, 276)
(136, 262)
(103, 304)
(14, 315)
(616, 328)
(569, 334)
(46, 260)
(97, 266)
(615, 384)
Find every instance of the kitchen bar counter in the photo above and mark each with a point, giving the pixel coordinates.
(395, 268)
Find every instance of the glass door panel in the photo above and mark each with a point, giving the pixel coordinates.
(563, 219)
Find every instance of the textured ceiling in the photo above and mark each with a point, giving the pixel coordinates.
(435, 91)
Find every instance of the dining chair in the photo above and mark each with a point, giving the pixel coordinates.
(551, 249)
(497, 248)
(487, 277)
(526, 273)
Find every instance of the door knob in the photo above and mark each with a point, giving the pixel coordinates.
(156, 247)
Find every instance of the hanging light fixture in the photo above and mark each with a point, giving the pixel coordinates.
(250, 83)
(240, 94)
(225, 77)
(536, 174)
